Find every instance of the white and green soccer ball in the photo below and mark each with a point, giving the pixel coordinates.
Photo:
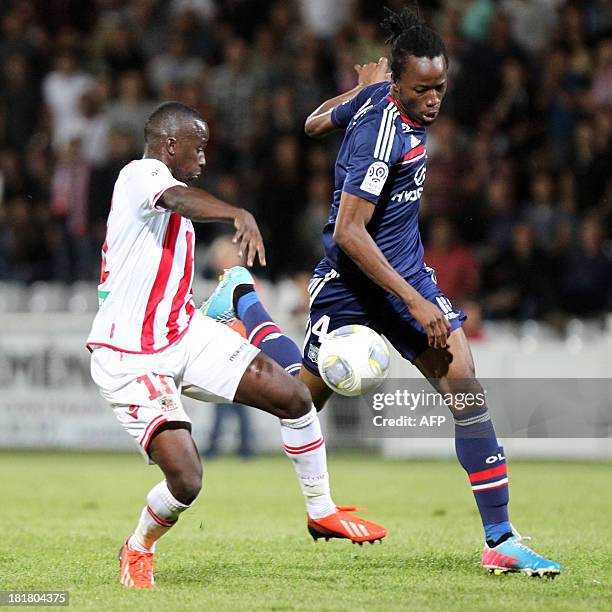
(353, 360)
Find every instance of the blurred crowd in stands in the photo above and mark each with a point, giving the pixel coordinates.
(517, 210)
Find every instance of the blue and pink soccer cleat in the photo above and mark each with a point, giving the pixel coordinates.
(514, 556)
(220, 305)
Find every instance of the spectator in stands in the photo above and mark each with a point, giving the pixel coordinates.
(457, 268)
(519, 282)
(586, 272)
(62, 91)
(446, 171)
(19, 101)
(543, 212)
(132, 107)
(69, 210)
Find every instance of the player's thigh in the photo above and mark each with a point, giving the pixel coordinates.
(143, 401)
(451, 370)
(455, 362)
(215, 361)
(396, 323)
(224, 367)
(266, 385)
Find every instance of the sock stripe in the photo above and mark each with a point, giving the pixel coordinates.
(489, 473)
(159, 519)
(259, 327)
(490, 485)
(300, 450)
(264, 333)
(479, 418)
(290, 369)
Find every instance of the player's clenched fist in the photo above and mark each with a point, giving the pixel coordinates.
(374, 72)
(433, 321)
(249, 237)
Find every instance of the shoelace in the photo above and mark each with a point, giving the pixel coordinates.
(518, 535)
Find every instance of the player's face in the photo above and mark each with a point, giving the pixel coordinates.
(421, 87)
(189, 159)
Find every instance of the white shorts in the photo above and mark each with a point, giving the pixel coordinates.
(207, 363)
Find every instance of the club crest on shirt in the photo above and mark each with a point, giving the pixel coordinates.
(313, 353)
(375, 178)
(167, 403)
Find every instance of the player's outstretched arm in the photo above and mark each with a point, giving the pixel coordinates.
(199, 205)
(351, 235)
(319, 123)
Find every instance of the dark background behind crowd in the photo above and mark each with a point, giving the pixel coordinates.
(517, 210)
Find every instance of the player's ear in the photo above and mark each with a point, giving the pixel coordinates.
(171, 145)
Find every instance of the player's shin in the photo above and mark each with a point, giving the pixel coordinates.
(483, 459)
(304, 445)
(157, 517)
(263, 332)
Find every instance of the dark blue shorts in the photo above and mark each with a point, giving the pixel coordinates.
(335, 302)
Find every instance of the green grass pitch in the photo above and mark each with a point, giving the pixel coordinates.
(244, 545)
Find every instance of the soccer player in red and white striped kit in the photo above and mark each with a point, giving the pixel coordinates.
(149, 344)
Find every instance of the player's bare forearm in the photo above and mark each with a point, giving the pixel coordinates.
(199, 205)
(356, 242)
(319, 123)
(351, 235)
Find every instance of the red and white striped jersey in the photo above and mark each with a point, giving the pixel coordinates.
(147, 265)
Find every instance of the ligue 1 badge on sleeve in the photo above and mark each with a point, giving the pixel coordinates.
(375, 178)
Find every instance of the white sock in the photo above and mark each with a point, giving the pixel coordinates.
(157, 517)
(304, 445)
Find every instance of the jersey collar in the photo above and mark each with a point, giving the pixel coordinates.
(403, 118)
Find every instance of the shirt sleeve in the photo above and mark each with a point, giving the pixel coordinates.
(374, 149)
(344, 112)
(147, 181)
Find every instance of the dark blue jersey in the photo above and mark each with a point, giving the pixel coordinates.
(382, 160)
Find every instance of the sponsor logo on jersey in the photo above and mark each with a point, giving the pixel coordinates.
(375, 178)
(406, 128)
(408, 196)
(419, 175)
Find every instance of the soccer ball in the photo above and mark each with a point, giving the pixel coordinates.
(353, 360)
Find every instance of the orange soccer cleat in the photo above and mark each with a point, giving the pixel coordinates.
(341, 524)
(135, 568)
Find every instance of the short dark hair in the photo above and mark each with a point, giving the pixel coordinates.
(167, 118)
(408, 35)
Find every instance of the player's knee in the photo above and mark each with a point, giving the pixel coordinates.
(299, 402)
(186, 486)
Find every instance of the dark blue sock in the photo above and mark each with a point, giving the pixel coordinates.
(263, 333)
(483, 459)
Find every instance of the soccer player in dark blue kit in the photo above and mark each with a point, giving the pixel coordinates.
(373, 272)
